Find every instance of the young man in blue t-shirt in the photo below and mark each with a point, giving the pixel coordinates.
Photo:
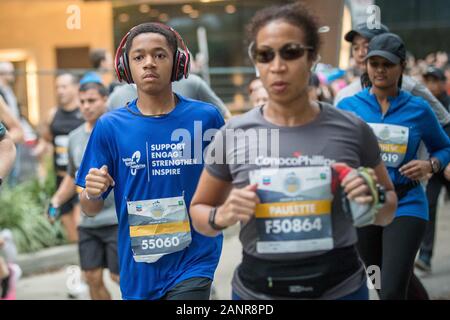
(151, 153)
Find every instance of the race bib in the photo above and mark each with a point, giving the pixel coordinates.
(393, 141)
(158, 227)
(295, 210)
(61, 151)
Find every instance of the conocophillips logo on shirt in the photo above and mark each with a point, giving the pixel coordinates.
(300, 160)
(133, 162)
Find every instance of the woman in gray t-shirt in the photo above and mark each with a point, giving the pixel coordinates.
(275, 170)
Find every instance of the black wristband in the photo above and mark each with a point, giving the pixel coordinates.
(435, 165)
(212, 219)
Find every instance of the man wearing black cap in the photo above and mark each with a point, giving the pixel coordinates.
(435, 81)
(360, 37)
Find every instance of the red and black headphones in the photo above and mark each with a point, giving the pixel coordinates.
(181, 59)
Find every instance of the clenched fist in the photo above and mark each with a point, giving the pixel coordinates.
(98, 181)
(239, 206)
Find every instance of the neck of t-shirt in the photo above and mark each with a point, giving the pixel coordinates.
(155, 105)
(298, 114)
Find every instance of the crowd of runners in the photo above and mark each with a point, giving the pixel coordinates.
(149, 173)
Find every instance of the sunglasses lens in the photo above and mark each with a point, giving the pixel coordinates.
(264, 56)
(292, 52)
(289, 51)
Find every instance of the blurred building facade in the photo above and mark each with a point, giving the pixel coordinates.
(43, 36)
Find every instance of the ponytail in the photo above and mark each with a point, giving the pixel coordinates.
(365, 80)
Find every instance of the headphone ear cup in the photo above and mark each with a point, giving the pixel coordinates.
(181, 66)
(175, 67)
(187, 64)
(119, 70)
(127, 72)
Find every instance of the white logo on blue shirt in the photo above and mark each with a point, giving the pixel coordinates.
(133, 163)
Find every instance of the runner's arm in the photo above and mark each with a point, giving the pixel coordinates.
(90, 207)
(387, 212)
(45, 131)
(7, 155)
(65, 192)
(11, 123)
(435, 138)
(211, 192)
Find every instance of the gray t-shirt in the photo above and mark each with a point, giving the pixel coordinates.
(78, 140)
(193, 87)
(334, 136)
(408, 84)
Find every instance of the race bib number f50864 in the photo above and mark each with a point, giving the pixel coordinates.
(295, 210)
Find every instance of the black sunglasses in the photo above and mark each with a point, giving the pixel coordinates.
(289, 51)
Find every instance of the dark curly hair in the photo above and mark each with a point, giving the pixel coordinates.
(296, 14)
(150, 27)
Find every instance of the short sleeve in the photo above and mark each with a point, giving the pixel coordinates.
(97, 154)
(370, 150)
(215, 157)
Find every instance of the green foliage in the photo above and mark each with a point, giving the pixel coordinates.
(22, 210)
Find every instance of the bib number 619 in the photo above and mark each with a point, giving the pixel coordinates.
(389, 157)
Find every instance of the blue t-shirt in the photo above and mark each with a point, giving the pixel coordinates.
(155, 158)
(408, 121)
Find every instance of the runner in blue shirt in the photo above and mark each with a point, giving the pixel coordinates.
(151, 153)
(400, 121)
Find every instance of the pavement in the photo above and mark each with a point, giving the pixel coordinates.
(53, 285)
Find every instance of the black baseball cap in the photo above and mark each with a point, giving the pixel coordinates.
(435, 72)
(389, 46)
(364, 31)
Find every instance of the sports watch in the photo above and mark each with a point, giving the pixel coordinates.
(435, 165)
(212, 220)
